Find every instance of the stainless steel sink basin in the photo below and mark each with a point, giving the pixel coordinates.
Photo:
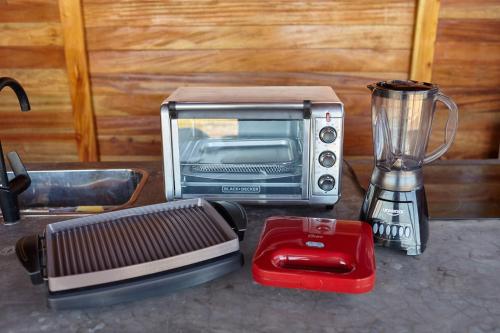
(81, 191)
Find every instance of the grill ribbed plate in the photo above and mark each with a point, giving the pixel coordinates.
(134, 242)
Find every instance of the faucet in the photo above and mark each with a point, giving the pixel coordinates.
(9, 190)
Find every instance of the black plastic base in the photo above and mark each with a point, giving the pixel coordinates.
(399, 218)
(146, 286)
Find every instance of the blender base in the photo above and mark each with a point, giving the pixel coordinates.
(399, 219)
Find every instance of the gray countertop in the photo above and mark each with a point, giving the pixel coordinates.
(452, 287)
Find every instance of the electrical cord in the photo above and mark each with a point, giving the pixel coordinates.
(354, 177)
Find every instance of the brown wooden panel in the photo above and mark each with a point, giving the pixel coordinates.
(32, 57)
(78, 76)
(40, 81)
(118, 147)
(207, 12)
(41, 12)
(468, 53)
(424, 39)
(31, 34)
(164, 84)
(466, 75)
(127, 105)
(472, 30)
(60, 150)
(467, 9)
(248, 60)
(60, 104)
(131, 125)
(249, 37)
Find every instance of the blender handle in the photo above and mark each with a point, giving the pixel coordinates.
(450, 128)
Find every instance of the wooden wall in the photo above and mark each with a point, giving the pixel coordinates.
(31, 51)
(467, 66)
(140, 51)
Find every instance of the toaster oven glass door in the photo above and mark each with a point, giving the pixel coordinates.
(241, 158)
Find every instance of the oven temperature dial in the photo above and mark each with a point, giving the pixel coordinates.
(326, 183)
(327, 134)
(327, 159)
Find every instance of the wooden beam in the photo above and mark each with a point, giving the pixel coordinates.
(78, 77)
(424, 40)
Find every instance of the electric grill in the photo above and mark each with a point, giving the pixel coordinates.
(120, 256)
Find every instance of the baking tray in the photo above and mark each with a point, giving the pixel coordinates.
(236, 157)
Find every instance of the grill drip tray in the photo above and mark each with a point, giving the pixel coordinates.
(119, 256)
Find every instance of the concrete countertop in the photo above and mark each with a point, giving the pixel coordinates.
(452, 287)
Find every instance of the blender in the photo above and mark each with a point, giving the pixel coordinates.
(395, 204)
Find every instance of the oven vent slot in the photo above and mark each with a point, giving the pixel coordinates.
(269, 169)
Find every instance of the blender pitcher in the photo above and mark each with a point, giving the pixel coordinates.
(395, 204)
(402, 113)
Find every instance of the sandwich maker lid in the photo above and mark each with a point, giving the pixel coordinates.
(316, 254)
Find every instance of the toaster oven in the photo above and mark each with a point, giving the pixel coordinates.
(253, 144)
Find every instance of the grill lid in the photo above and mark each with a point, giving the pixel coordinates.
(125, 244)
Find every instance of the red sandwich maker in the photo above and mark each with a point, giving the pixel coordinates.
(316, 254)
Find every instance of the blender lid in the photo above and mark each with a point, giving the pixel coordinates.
(402, 86)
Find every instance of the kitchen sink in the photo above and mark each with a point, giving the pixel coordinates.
(54, 192)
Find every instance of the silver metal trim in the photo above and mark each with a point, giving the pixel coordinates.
(176, 158)
(398, 180)
(168, 169)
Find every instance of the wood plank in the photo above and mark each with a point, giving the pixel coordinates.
(468, 53)
(479, 75)
(32, 57)
(43, 150)
(424, 38)
(207, 12)
(31, 34)
(126, 147)
(77, 68)
(465, 30)
(15, 121)
(164, 84)
(474, 99)
(168, 37)
(40, 103)
(327, 60)
(44, 12)
(466, 9)
(40, 81)
(125, 105)
(129, 126)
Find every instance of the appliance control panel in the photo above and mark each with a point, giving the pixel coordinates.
(391, 231)
(327, 153)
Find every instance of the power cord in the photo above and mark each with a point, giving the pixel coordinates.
(354, 177)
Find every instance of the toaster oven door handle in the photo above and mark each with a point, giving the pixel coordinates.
(252, 110)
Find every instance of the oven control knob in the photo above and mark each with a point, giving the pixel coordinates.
(326, 183)
(327, 134)
(327, 159)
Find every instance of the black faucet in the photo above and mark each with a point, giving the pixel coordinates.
(9, 190)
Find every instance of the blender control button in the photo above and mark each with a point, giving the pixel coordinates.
(327, 159)
(327, 134)
(388, 230)
(381, 230)
(401, 231)
(375, 227)
(407, 232)
(394, 231)
(326, 183)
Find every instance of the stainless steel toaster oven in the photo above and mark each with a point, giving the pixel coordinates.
(253, 144)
